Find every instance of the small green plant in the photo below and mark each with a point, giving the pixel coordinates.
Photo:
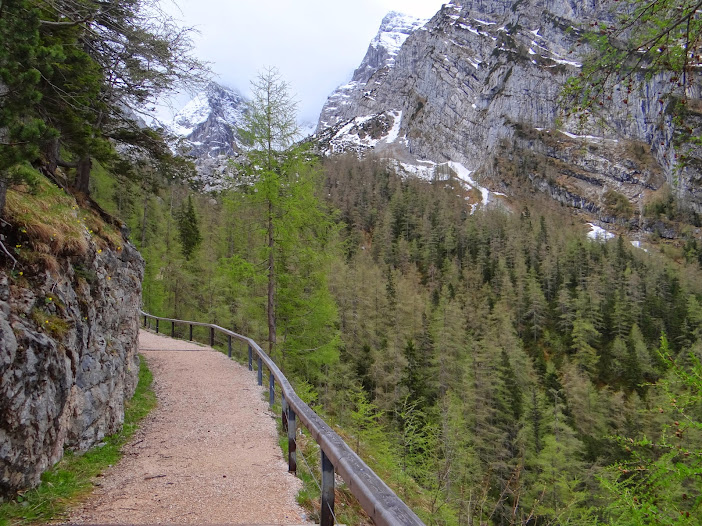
(617, 204)
(89, 275)
(70, 479)
(54, 325)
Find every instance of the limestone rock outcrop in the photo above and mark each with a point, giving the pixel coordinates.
(480, 84)
(68, 354)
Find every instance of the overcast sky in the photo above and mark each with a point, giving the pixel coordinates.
(316, 44)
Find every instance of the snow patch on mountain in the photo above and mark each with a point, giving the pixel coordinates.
(362, 133)
(597, 233)
(451, 170)
(394, 30)
(195, 112)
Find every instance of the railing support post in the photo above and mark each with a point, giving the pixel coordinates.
(260, 371)
(271, 389)
(292, 445)
(211, 336)
(156, 325)
(327, 511)
(144, 320)
(191, 332)
(250, 358)
(172, 329)
(229, 345)
(284, 415)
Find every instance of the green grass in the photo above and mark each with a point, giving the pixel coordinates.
(71, 478)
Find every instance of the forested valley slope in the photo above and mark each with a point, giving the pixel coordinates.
(494, 363)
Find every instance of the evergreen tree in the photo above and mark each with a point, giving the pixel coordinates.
(189, 229)
(23, 58)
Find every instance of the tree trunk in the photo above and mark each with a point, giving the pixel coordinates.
(82, 181)
(3, 194)
(51, 152)
(271, 282)
(143, 223)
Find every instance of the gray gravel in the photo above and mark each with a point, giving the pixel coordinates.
(208, 454)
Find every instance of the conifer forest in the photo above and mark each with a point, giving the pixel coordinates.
(495, 365)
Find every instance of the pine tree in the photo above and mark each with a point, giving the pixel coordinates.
(189, 229)
(23, 57)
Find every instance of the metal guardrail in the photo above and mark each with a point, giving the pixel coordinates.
(375, 497)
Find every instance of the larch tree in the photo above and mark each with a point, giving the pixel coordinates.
(270, 127)
(298, 230)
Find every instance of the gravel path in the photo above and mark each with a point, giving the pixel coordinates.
(208, 454)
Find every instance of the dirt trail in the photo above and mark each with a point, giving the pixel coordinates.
(207, 454)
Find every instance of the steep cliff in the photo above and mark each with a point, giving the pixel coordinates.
(208, 126)
(68, 331)
(480, 85)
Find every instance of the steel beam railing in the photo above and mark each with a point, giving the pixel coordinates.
(375, 497)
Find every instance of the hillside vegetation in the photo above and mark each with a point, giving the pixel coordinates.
(502, 362)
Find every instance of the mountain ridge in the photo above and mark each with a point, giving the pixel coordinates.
(480, 85)
(207, 130)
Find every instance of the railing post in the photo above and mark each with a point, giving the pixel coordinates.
(191, 332)
(271, 389)
(284, 415)
(250, 358)
(172, 329)
(211, 336)
(144, 320)
(229, 345)
(260, 371)
(292, 445)
(156, 325)
(327, 511)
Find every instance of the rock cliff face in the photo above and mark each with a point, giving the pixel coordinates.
(208, 128)
(68, 348)
(479, 85)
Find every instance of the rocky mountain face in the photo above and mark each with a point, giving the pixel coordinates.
(379, 59)
(478, 86)
(68, 349)
(207, 127)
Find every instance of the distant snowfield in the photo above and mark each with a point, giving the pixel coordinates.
(598, 233)
(431, 171)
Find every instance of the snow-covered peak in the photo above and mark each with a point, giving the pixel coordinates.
(193, 113)
(394, 30)
(215, 100)
(380, 58)
(208, 126)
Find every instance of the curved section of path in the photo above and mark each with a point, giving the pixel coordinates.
(208, 454)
